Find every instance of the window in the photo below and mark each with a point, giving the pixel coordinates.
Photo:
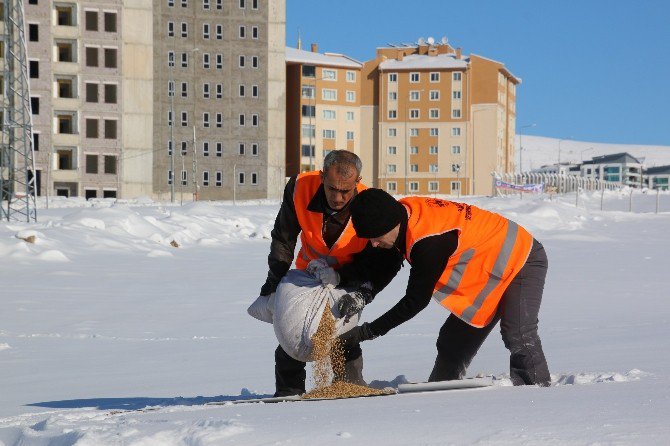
(169, 148)
(242, 61)
(433, 168)
(351, 76)
(242, 32)
(328, 94)
(91, 128)
(91, 56)
(434, 113)
(170, 3)
(434, 95)
(456, 94)
(205, 148)
(329, 114)
(184, 149)
(34, 68)
(110, 93)
(205, 119)
(110, 22)
(242, 4)
(392, 132)
(241, 148)
(393, 95)
(254, 4)
(414, 113)
(254, 149)
(184, 178)
(242, 91)
(219, 61)
(455, 167)
(254, 178)
(219, 4)
(413, 132)
(254, 91)
(456, 131)
(170, 29)
(36, 142)
(91, 163)
(351, 96)
(393, 77)
(219, 120)
(33, 32)
(456, 76)
(205, 60)
(414, 95)
(254, 61)
(219, 179)
(455, 186)
(184, 60)
(350, 135)
(241, 120)
(184, 29)
(169, 118)
(91, 20)
(308, 131)
(391, 168)
(110, 57)
(456, 150)
(350, 116)
(308, 71)
(434, 131)
(393, 114)
(184, 89)
(65, 88)
(414, 77)
(169, 177)
(205, 4)
(184, 3)
(205, 30)
(205, 90)
(219, 149)
(328, 134)
(254, 120)
(184, 119)
(308, 150)
(240, 178)
(67, 52)
(254, 32)
(456, 113)
(391, 186)
(433, 186)
(219, 91)
(219, 32)
(170, 58)
(392, 150)
(205, 178)
(307, 92)
(110, 129)
(329, 75)
(435, 77)
(414, 150)
(433, 150)
(413, 186)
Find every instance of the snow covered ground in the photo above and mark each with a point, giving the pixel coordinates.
(539, 151)
(103, 316)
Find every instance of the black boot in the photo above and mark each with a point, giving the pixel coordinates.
(289, 374)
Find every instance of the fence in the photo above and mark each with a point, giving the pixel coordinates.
(582, 192)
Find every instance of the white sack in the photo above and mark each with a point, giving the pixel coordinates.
(299, 303)
(262, 307)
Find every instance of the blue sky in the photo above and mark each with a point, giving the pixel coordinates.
(592, 70)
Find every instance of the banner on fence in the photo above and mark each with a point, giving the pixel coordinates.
(534, 188)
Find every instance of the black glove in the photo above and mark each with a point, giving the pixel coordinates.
(356, 335)
(353, 302)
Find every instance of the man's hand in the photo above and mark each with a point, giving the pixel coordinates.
(356, 335)
(320, 269)
(352, 303)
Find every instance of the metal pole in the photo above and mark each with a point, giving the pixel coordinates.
(195, 165)
(174, 119)
(234, 182)
(658, 194)
(406, 143)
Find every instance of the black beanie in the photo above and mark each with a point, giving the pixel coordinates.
(375, 212)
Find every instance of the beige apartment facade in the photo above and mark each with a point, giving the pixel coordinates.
(323, 110)
(442, 121)
(219, 99)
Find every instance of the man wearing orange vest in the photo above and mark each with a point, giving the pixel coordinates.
(316, 207)
(480, 266)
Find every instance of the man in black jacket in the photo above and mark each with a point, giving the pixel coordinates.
(371, 270)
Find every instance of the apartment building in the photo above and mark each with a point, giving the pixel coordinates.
(219, 86)
(77, 84)
(621, 168)
(323, 97)
(442, 121)
(127, 96)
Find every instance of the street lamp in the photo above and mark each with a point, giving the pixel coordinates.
(521, 144)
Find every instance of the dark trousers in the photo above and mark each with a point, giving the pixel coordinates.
(517, 312)
(290, 373)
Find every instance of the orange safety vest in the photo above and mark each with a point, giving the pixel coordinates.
(311, 224)
(491, 251)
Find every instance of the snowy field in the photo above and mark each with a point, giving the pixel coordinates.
(103, 316)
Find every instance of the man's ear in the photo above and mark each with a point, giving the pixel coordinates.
(322, 175)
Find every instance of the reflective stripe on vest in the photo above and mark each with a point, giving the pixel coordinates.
(491, 251)
(311, 224)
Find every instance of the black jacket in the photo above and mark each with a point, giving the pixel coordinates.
(378, 266)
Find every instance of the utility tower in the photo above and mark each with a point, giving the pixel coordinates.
(17, 168)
